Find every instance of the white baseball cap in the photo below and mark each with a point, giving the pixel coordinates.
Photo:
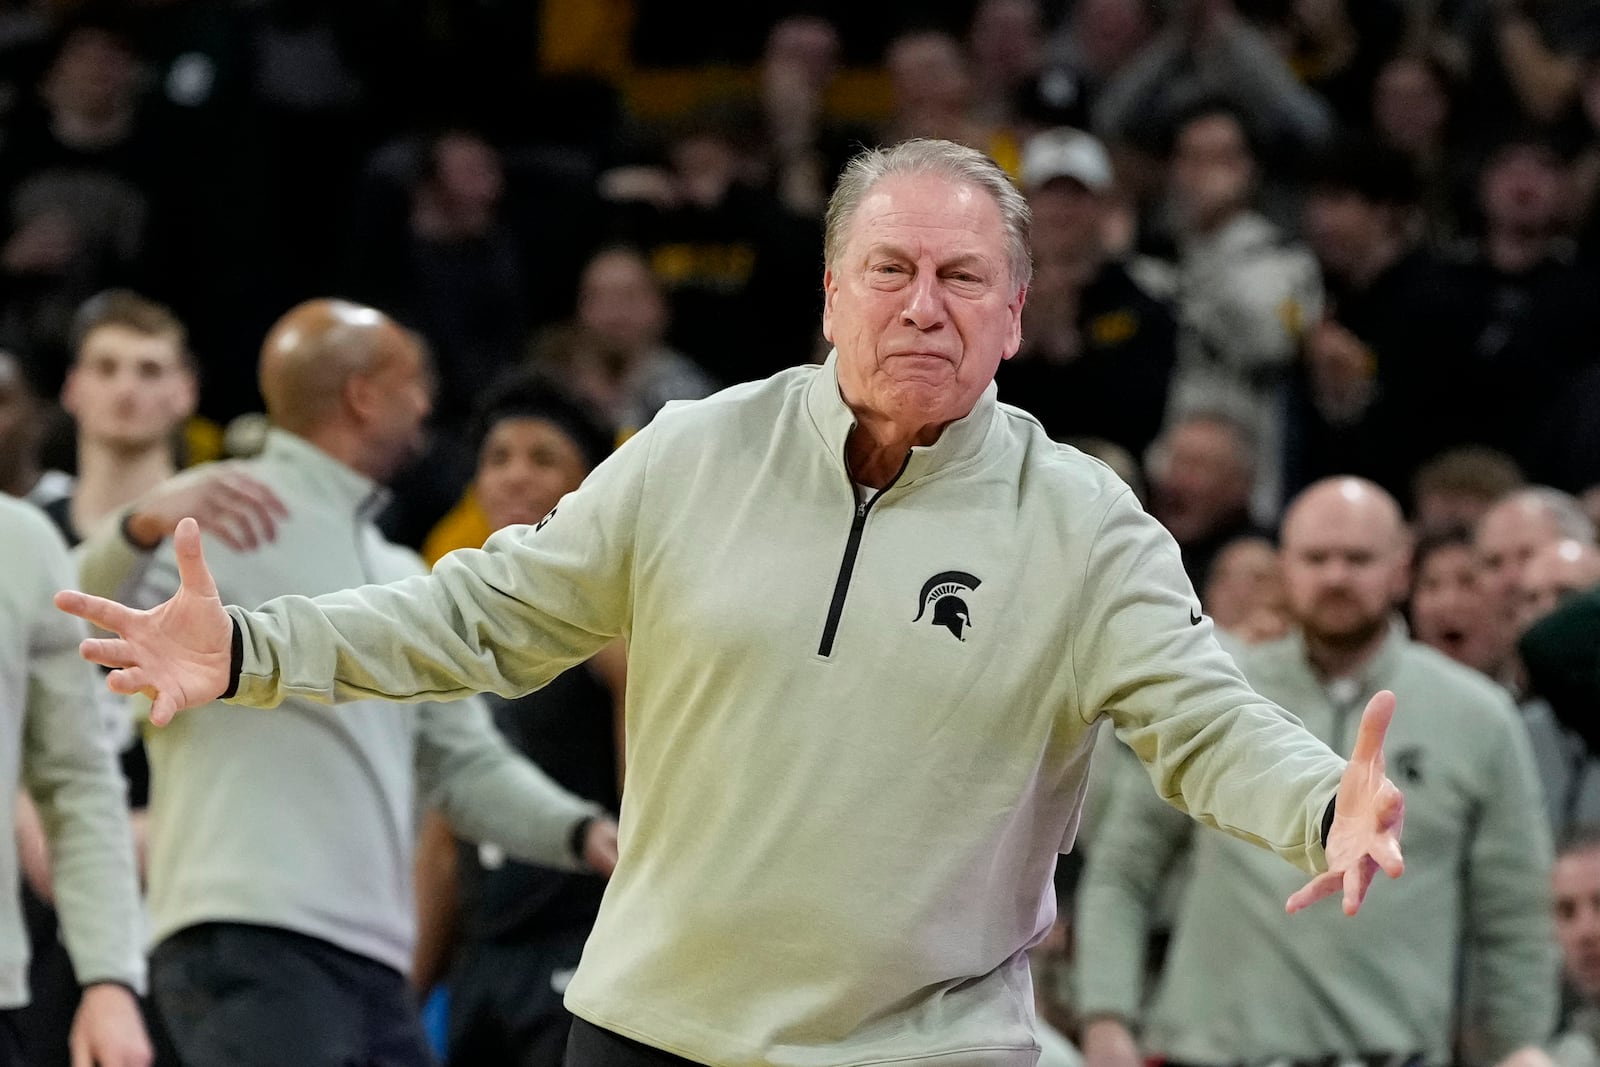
(1065, 153)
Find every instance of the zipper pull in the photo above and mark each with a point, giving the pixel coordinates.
(861, 510)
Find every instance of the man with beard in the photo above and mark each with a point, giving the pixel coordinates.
(1472, 820)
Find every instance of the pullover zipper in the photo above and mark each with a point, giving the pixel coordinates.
(841, 585)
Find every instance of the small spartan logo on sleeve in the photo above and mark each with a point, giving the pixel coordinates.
(542, 523)
(942, 593)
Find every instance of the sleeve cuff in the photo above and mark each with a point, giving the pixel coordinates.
(125, 526)
(120, 983)
(236, 667)
(580, 833)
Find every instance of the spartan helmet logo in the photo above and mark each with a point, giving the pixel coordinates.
(943, 591)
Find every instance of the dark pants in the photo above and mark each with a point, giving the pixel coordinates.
(488, 1041)
(234, 995)
(10, 1042)
(505, 1000)
(590, 1046)
(43, 1026)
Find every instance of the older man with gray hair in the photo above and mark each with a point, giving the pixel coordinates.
(842, 817)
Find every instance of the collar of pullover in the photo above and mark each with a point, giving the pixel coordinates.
(959, 442)
(1379, 671)
(324, 475)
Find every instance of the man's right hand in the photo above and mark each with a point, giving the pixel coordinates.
(1108, 1043)
(229, 504)
(180, 653)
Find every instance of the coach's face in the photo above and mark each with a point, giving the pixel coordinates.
(921, 303)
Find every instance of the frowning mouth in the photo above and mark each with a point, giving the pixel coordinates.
(922, 357)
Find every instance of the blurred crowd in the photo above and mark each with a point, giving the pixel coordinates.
(1274, 241)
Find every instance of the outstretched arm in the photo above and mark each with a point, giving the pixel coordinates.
(1213, 747)
(179, 653)
(505, 619)
(1367, 815)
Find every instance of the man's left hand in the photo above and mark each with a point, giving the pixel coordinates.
(600, 846)
(1367, 816)
(108, 1030)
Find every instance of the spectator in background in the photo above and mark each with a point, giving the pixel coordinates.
(735, 263)
(1556, 575)
(22, 426)
(1005, 44)
(1510, 535)
(1202, 470)
(1246, 292)
(452, 268)
(1514, 530)
(619, 359)
(1093, 44)
(1532, 320)
(1414, 113)
(803, 148)
(1575, 885)
(1097, 348)
(1337, 48)
(130, 389)
(515, 930)
(1450, 611)
(1208, 51)
(1455, 488)
(613, 355)
(1478, 880)
(1244, 592)
(931, 91)
(281, 843)
(75, 194)
(453, 271)
(1392, 326)
(1553, 575)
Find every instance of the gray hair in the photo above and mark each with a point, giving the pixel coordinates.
(927, 156)
(1563, 509)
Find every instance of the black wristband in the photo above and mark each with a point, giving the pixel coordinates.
(1327, 819)
(236, 661)
(118, 982)
(579, 835)
(127, 534)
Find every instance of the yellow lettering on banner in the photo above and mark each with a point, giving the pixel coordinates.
(1113, 328)
(724, 267)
